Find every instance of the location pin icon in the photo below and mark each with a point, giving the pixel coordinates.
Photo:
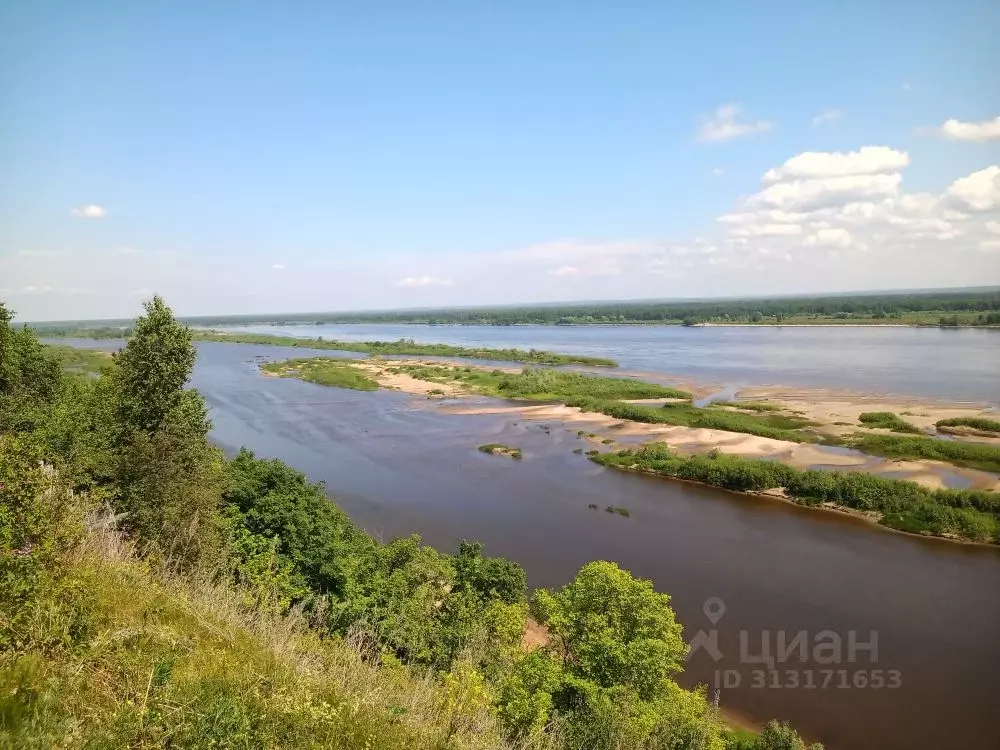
(714, 608)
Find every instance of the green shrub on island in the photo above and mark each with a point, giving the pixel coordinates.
(747, 405)
(329, 371)
(541, 383)
(499, 449)
(966, 514)
(976, 423)
(886, 420)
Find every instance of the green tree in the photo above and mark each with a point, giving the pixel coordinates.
(617, 647)
(168, 478)
(610, 629)
(29, 376)
(488, 577)
(153, 368)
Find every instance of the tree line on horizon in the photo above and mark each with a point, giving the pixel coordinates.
(884, 306)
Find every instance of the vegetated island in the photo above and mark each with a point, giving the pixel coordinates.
(970, 515)
(380, 348)
(947, 308)
(499, 449)
(155, 593)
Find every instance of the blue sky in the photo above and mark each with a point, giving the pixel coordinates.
(241, 157)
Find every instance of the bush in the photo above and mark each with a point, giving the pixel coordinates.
(888, 421)
(977, 423)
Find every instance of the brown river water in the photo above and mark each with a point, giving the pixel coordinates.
(878, 640)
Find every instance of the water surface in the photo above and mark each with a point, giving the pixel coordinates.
(941, 363)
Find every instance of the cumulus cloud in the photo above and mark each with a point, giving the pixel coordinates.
(868, 160)
(417, 281)
(89, 212)
(812, 194)
(727, 122)
(980, 191)
(767, 230)
(831, 237)
(278, 266)
(978, 132)
(828, 115)
(820, 205)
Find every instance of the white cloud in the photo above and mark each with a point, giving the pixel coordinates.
(815, 164)
(978, 132)
(993, 226)
(416, 281)
(278, 266)
(805, 195)
(980, 191)
(907, 87)
(828, 115)
(718, 171)
(565, 271)
(835, 237)
(767, 230)
(89, 212)
(727, 122)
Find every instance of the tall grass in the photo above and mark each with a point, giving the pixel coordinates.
(888, 421)
(973, 455)
(140, 657)
(977, 423)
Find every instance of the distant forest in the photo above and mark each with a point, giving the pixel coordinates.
(973, 307)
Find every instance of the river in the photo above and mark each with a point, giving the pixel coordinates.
(941, 363)
(399, 464)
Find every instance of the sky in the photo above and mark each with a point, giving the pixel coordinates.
(305, 156)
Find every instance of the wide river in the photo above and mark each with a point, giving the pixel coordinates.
(753, 574)
(959, 363)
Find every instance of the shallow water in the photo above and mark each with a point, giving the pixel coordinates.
(400, 464)
(942, 363)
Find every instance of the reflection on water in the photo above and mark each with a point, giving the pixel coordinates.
(777, 567)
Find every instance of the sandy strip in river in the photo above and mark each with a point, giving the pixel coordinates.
(826, 406)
